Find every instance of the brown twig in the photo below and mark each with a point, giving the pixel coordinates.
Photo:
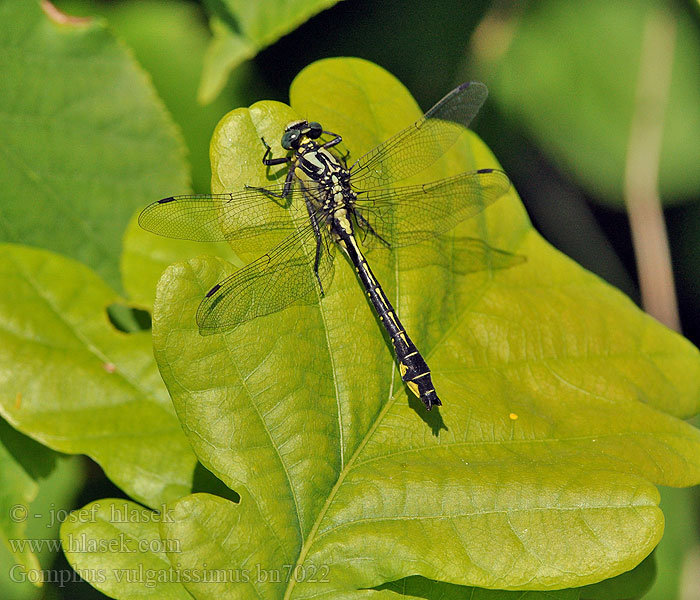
(642, 169)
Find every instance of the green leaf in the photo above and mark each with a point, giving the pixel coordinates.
(420, 587)
(169, 38)
(632, 584)
(128, 318)
(677, 550)
(146, 548)
(19, 489)
(243, 29)
(146, 256)
(56, 492)
(85, 139)
(116, 547)
(560, 400)
(226, 51)
(570, 75)
(76, 384)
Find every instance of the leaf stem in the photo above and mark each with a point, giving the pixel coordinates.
(641, 189)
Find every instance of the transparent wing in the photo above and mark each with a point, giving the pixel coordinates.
(421, 144)
(250, 213)
(272, 282)
(474, 255)
(412, 214)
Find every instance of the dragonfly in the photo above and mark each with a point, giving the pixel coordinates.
(324, 204)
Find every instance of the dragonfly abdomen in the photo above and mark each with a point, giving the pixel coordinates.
(412, 366)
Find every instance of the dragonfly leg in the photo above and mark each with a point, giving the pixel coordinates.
(269, 162)
(270, 194)
(319, 244)
(334, 142)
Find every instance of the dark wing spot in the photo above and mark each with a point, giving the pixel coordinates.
(166, 200)
(213, 290)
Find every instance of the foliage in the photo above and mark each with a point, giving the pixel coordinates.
(86, 140)
(563, 402)
(545, 449)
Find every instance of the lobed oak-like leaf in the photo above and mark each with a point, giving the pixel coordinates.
(73, 382)
(562, 404)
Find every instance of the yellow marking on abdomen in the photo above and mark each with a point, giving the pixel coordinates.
(368, 273)
(381, 297)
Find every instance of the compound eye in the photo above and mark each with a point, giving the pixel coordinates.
(289, 138)
(315, 130)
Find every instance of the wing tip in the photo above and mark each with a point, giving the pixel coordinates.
(474, 84)
(143, 216)
(501, 177)
(206, 321)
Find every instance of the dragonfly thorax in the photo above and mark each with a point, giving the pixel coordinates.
(330, 191)
(318, 164)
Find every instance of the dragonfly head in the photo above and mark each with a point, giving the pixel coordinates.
(297, 130)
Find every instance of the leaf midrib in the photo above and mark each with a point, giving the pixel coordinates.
(308, 543)
(631, 506)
